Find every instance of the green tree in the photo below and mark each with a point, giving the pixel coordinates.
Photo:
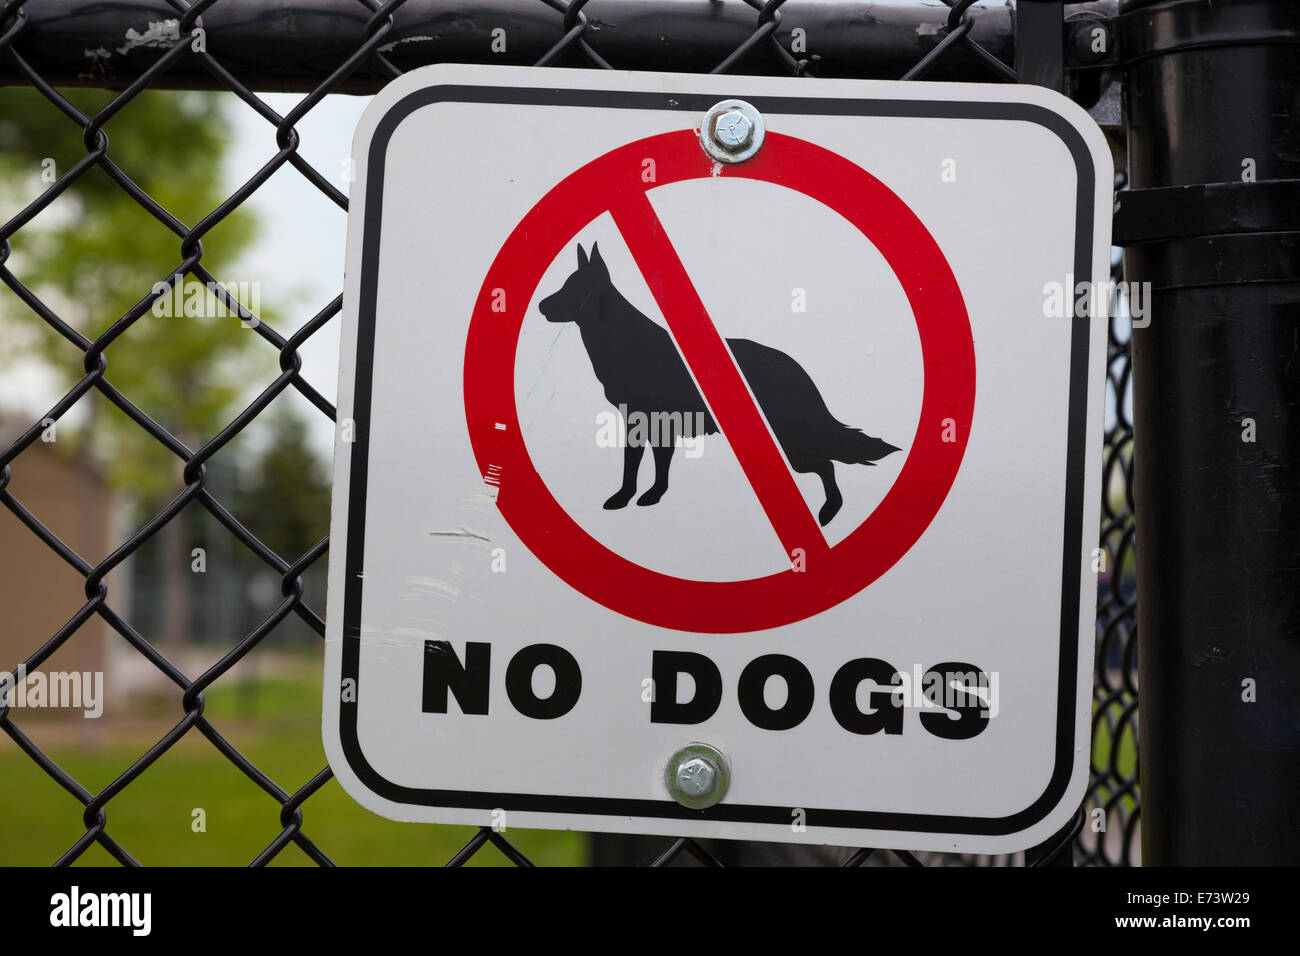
(95, 252)
(284, 497)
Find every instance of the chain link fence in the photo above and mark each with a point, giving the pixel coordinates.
(240, 46)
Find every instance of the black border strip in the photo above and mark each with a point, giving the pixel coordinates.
(667, 809)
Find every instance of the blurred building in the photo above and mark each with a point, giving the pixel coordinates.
(39, 591)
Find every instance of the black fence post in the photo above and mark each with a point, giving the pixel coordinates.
(1213, 223)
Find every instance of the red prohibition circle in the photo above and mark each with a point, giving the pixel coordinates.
(615, 182)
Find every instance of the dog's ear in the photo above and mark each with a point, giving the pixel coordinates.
(595, 254)
(582, 257)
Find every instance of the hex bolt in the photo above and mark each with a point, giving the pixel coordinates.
(732, 131)
(697, 776)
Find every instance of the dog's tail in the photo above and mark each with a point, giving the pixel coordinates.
(853, 447)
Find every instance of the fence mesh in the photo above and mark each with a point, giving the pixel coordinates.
(1105, 830)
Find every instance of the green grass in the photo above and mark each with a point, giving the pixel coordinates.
(277, 726)
(276, 723)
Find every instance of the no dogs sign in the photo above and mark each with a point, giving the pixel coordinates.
(715, 458)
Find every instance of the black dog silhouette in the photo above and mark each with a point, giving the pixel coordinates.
(641, 371)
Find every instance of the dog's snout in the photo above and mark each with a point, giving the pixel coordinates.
(551, 309)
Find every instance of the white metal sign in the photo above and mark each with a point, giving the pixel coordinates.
(847, 596)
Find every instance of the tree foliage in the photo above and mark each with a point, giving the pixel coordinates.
(95, 252)
(284, 497)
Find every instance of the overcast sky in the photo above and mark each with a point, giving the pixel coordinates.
(298, 255)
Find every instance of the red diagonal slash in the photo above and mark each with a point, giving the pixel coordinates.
(720, 381)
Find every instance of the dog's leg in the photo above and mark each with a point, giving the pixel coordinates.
(826, 472)
(663, 454)
(631, 464)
